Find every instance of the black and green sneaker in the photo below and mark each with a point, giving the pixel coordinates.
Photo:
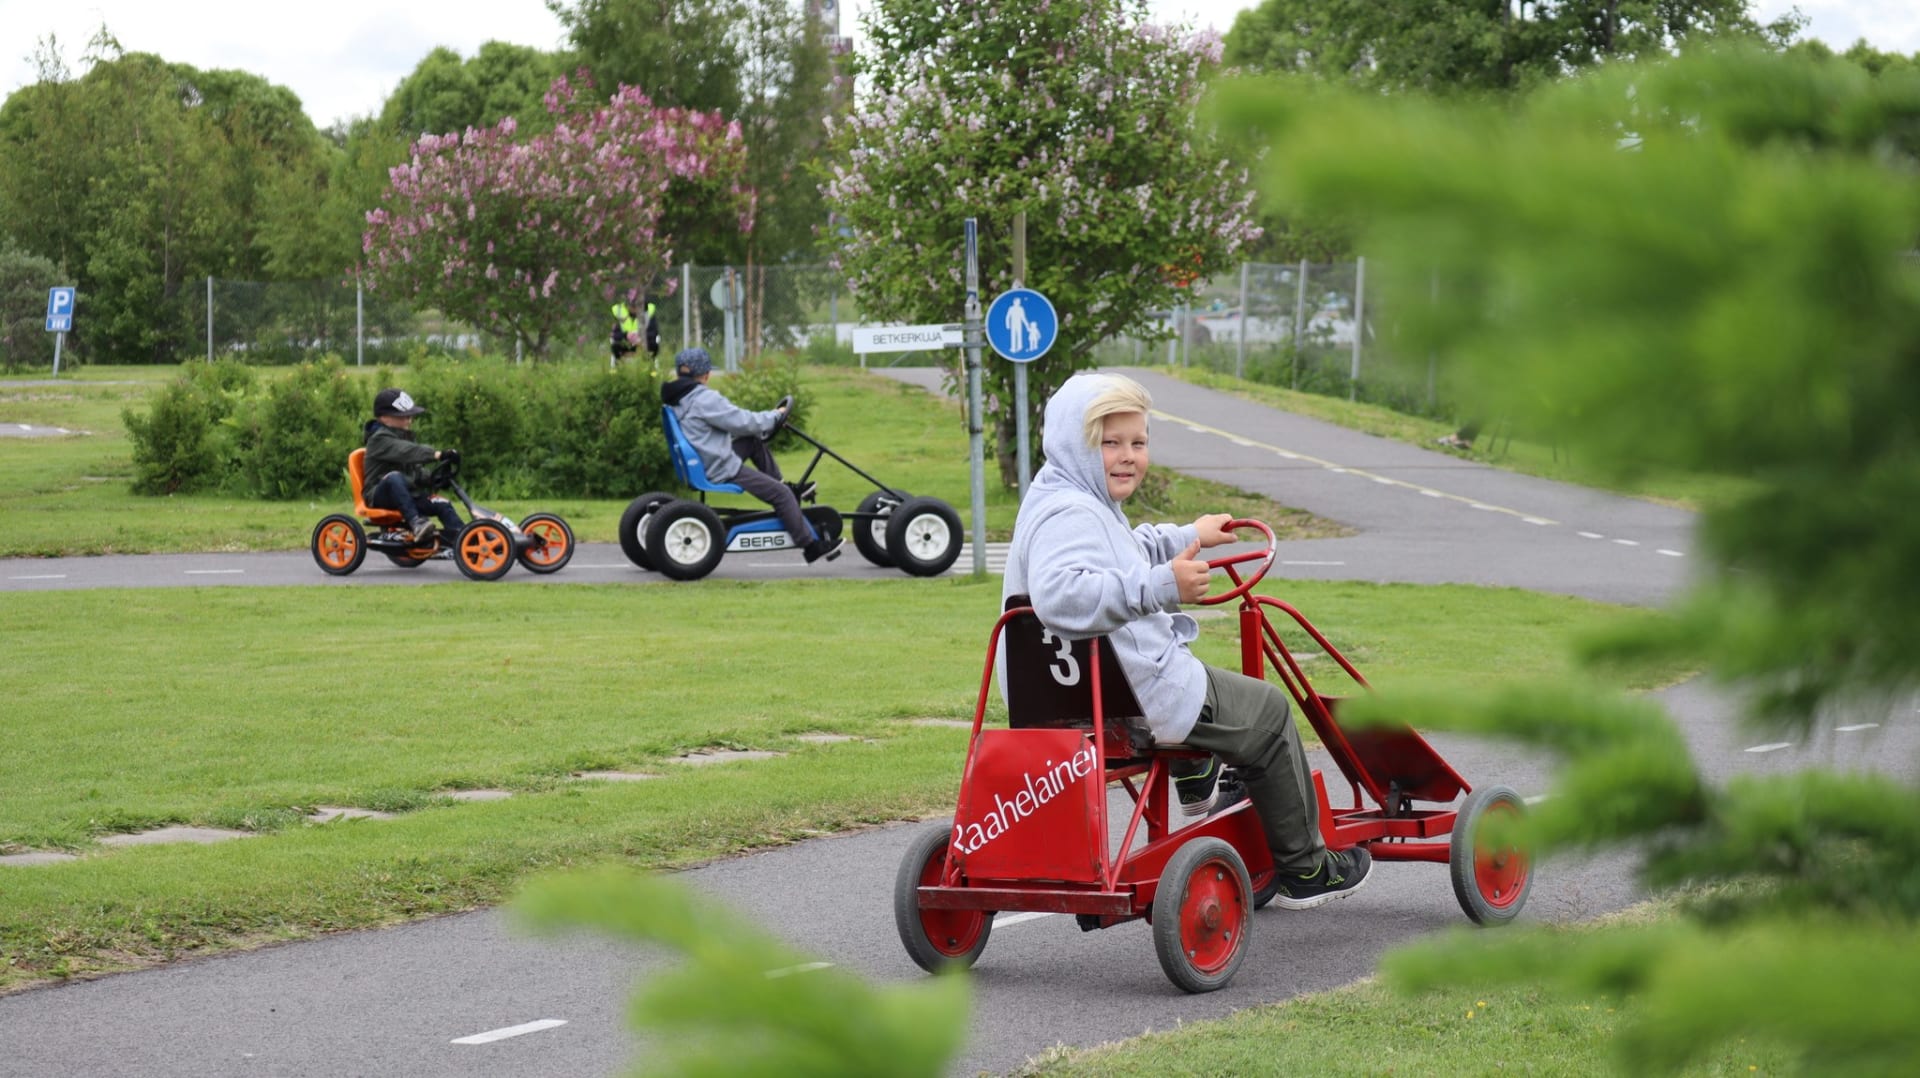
(1341, 873)
(1196, 783)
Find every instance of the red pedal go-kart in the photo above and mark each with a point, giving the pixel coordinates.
(485, 549)
(1031, 830)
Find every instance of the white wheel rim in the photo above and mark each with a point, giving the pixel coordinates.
(687, 541)
(927, 537)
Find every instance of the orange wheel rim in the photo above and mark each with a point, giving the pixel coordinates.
(483, 548)
(555, 546)
(337, 545)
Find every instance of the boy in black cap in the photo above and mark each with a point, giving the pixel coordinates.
(723, 433)
(396, 474)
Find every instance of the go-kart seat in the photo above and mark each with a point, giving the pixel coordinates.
(686, 462)
(357, 479)
(1048, 686)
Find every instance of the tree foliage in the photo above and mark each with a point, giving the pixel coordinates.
(522, 237)
(24, 281)
(143, 177)
(1705, 265)
(760, 61)
(1079, 113)
(445, 93)
(1446, 46)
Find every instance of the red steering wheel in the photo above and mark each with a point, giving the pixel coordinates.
(1264, 557)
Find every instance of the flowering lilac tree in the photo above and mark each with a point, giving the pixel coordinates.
(525, 239)
(1078, 112)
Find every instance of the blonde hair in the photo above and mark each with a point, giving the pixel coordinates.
(1122, 394)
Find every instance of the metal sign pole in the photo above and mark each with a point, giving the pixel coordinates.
(1020, 409)
(975, 336)
(57, 339)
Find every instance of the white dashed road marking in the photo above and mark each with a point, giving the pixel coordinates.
(1006, 919)
(804, 967)
(214, 572)
(1774, 746)
(41, 576)
(1856, 727)
(511, 1031)
(1202, 428)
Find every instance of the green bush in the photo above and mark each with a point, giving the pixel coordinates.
(599, 435)
(477, 408)
(173, 445)
(762, 381)
(548, 430)
(297, 439)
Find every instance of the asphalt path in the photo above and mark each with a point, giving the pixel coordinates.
(466, 995)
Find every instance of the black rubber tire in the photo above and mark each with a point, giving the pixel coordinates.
(685, 540)
(633, 527)
(870, 536)
(936, 940)
(558, 551)
(339, 544)
(1491, 884)
(924, 536)
(1203, 915)
(484, 550)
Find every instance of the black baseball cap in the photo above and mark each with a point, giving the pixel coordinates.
(395, 402)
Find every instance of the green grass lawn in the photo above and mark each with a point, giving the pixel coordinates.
(1365, 1029)
(69, 495)
(247, 707)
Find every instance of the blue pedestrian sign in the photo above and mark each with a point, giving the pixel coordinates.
(1021, 325)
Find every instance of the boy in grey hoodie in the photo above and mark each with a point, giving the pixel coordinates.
(1089, 574)
(723, 433)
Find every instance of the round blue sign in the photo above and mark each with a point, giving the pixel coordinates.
(1021, 325)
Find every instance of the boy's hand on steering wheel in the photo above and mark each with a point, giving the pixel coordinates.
(1190, 575)
(1213, 529)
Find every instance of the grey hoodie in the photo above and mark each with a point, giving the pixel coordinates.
(1090, 575)
(711, 422)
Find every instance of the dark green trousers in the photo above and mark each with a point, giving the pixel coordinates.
(1249, 724)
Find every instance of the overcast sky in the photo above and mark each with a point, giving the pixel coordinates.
(343, 57)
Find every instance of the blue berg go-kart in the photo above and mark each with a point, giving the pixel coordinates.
(686, 539)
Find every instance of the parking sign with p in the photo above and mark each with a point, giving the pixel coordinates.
(60, 310)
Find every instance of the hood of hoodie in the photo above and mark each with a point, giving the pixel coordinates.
(1073, 465)
(672, 392)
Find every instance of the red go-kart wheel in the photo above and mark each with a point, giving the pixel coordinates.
(551, 543)
(484, 550)
(1203, 915)
(1491, 875)
(339, 544)
(935, 939)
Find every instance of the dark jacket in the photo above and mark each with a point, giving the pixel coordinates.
(390, 449)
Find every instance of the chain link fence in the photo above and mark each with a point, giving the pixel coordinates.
(1306, 326)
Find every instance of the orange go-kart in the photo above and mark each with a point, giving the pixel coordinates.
(1031, 832)
(485, 548)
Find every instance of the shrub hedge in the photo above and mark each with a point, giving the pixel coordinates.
(549, 430)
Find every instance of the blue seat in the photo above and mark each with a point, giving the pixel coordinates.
(686, 462)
